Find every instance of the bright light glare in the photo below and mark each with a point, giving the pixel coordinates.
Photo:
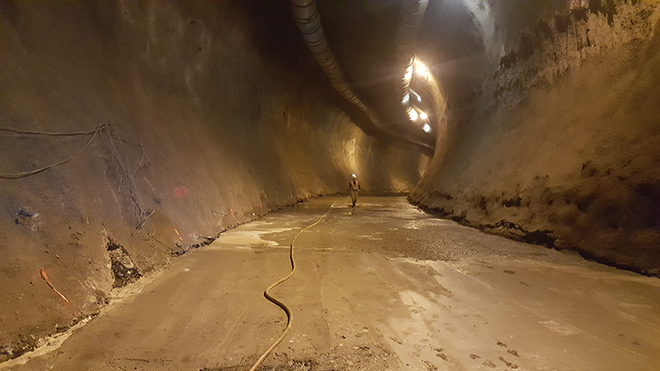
(427, 128)
(421, 70)
(406, 99)
(413, 115)
(423, 115)
(419, 99)
(408, 74)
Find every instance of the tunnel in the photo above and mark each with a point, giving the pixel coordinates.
(137, 134)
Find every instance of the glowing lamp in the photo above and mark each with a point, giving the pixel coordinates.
(408, 74)
(419, 99)
(421, 69)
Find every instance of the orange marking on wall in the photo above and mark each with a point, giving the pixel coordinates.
(43, 275)
(177, 233)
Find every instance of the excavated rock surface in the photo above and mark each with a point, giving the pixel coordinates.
(201, 116)
(218, 115)
(564, 147)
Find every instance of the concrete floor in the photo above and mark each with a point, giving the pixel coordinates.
(381, 287)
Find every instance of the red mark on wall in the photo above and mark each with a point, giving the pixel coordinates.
(178, 190)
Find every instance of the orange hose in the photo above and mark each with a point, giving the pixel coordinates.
(289, 315)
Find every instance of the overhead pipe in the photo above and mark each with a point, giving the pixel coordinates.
(308, 20)
(411, 16)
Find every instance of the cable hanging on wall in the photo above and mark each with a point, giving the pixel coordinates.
(109, 133)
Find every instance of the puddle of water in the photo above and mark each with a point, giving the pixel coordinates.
(247, 239)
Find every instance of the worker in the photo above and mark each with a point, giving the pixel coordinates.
(354, 188)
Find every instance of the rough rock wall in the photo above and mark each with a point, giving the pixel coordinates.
(211, 126)
(564, 144)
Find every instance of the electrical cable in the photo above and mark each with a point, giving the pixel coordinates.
(289, 315)
(36, 171)
(118, 156)
(28, 132)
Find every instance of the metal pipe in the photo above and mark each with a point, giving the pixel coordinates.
(308, 20)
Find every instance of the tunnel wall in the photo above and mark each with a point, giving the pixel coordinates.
(563, 142)
(209, 127)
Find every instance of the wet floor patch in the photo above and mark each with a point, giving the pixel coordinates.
(255, 237)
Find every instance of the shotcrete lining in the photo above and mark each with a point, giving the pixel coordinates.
(230, 129)
(562, 139)
(234, 122)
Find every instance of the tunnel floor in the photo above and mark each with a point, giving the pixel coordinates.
(383, 286)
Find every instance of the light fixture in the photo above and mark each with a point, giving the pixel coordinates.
(408, 75)
(426, 128)
(419, 99)
(406, 99)
(413, 114)
(423, 115)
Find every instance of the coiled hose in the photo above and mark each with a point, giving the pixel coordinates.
(289, 315)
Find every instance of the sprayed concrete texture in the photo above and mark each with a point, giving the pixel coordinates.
(210, 127)
(563, 146)
(383, 286)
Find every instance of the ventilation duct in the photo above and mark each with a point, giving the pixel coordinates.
(308, 20)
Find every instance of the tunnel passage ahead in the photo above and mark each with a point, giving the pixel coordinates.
(381, 286)
(545, 114)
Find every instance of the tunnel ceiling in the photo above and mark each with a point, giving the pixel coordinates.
(362, 36)
(456, 41)
(461, 43)
(276, 38)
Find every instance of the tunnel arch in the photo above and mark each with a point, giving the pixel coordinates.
(545, 116)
